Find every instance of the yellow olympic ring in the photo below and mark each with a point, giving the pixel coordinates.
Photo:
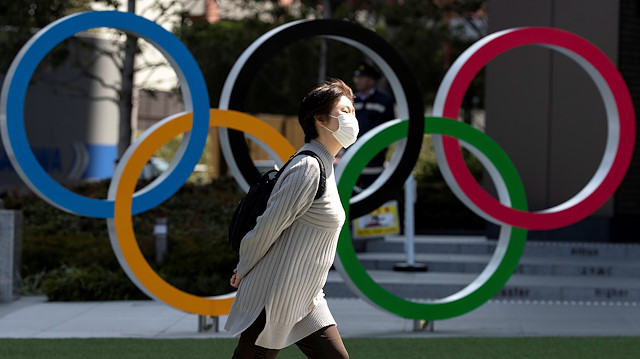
(121, 232)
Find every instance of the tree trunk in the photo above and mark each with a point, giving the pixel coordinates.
(324, 45)
(126, 89)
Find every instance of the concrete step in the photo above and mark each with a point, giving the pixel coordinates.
(436, 285)
(482, 245)
(529, 265)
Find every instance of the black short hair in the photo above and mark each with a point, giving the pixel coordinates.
(320, 101)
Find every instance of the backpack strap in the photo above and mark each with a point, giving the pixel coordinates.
(323, 176)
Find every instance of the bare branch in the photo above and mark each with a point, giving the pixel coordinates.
(111, 55)
(151, 66)
(75, 91)
(101, 81)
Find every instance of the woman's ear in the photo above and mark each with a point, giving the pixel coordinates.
(320, 119)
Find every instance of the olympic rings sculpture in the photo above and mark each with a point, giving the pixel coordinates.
(509, 210)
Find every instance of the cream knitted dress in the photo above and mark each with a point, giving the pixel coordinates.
(285, 259)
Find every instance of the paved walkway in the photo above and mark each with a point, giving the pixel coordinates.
(34, 317)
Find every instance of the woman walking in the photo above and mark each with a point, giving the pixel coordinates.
(285, 259)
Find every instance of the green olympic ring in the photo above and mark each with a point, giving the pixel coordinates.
(510, 244)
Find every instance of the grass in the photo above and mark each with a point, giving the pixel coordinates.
(369, 348)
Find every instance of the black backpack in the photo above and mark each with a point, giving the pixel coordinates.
(254, 203)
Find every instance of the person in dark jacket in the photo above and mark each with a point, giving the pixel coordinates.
(373, 108)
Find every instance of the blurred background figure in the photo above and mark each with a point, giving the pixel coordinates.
(373, 107)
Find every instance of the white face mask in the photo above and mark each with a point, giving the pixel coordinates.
(347, 131)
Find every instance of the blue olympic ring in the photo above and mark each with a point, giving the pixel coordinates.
(14, 91)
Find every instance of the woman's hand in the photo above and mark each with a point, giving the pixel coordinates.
(235, 280)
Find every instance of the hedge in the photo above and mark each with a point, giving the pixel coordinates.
(69, 257)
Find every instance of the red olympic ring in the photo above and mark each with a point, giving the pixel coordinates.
(617, 102)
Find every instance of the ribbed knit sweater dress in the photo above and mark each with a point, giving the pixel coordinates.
(285, 259)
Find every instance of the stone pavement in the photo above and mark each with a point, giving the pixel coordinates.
(34, 317)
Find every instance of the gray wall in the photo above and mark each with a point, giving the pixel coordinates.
(10, 254)
(627, 201)
(545, 111)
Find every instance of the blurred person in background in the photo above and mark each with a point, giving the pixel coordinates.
(373, 108)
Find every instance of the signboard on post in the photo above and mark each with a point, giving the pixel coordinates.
(382, 221)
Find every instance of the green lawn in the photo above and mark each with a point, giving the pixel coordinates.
(369, 348)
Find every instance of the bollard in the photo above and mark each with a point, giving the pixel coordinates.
(420, 325)
(410, 195)
(160, 238)
(206, 322)
(10, 253)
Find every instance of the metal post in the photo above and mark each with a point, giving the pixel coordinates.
(410, 195)
(206, 322)
(216, 323)
(160, 238)
(202, 323)
(420, 325)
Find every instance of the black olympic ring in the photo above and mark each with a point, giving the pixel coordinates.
(402, 81)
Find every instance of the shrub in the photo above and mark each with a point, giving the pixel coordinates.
(72, 258)
(89, 283)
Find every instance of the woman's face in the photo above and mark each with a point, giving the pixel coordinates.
(363, 84)
(342, 107)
